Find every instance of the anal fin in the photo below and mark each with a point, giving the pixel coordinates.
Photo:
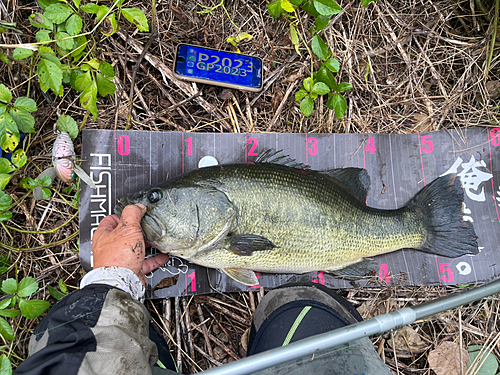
(365, 267)
(247, 277)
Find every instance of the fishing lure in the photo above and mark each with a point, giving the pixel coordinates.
(65, 166)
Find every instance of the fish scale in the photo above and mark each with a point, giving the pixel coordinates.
(270, 216)
(316, 226)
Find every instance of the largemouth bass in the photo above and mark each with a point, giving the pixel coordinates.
(277, 216)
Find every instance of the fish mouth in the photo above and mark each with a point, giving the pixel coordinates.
(154, 225)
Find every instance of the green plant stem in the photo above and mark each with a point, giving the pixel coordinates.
(61, 196)
(305, 44)
(44, 231)
(493, 39)
(36, 248)
(4, 227)
(85, 118)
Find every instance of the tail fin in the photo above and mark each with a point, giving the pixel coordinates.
(441, 203)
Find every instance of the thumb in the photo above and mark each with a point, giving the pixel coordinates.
(133, 214)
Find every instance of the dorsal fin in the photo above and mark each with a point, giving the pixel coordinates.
(356, 180)
(272, 156)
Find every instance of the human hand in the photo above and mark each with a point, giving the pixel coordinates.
(120, 243)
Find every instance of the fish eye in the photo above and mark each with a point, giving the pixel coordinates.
(154, 196)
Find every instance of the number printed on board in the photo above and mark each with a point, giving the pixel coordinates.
(254, 142)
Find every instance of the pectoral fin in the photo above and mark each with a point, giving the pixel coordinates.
(243, 276)
(246, 244)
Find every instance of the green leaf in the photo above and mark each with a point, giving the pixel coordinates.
(90, 8)
(307, 106)
(42, 36)
(42, 50)
(33, 308)
(338, 103)
(327, 7)
(94, 63)
(320, 48)
(103, 10)
(9, 286)
(67, 124)
(27, 287)
(344, 86)
(104, 85)
(81, 42)
(21, 53)
(5, 59)
(55, 293)
(5, 95)
(40, 21)
(6, 331)
(325, 76)
(333, 65)
(4, 266)
(274, 8)
(74, 25)
(5, 365)
(24, 120)
(5, 215)
(51, 57)
(490, 365)
(46, 194)
(295, 38)
(26, 104)
(10, 313)
(308, 82)
(321, 22)
(63, 286)
(320, 88)
(296, 2)
(65, 44)
(66, 69)
(367, 2)
(44, 4)
(286, 6)
(58, 13)
(9, 134)
(3, 108)
(28, 183)
(4, 180)
(106, 68)
(45, 181)
(137, 17)
(88, 99)
(19, 158)
(299, 95)
(310, 9)
(82, 81)
(5, 167)
(77, 3)
(50, 75)
(6, 302)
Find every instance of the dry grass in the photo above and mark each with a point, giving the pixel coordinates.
(415, 66)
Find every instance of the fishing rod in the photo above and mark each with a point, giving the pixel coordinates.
(374, 326)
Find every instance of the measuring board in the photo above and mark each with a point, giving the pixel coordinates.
(399, 166)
